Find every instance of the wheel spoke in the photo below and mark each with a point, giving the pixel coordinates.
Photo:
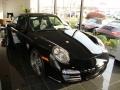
(36, 62)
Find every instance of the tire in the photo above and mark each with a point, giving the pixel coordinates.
(36, 63)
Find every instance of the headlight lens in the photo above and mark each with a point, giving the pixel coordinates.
(61, 54)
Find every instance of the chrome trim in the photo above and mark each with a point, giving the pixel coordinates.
(71, 78)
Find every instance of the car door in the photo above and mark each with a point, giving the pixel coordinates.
(38, 28)
(14, 30)
(21, 28)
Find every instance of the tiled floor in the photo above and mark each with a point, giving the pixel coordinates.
(14, 66)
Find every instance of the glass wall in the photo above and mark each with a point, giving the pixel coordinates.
(34, 6)
(64, 7)
(69, 10)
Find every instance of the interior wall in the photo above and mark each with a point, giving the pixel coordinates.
(1, 10)
(14, 6)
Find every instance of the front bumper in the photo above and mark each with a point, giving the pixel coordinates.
(73, 72)
(70, 75)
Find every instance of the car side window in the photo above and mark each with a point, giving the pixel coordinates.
(21, 24)
(35, 23)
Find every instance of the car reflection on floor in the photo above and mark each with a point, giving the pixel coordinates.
(23, 78)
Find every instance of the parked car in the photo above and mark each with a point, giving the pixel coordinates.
(111, 30)
(90, 25)
(63, 54)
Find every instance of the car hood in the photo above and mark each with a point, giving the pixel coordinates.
(75, 42)
(89, 41)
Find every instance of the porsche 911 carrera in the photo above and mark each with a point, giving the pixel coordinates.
(56, 50)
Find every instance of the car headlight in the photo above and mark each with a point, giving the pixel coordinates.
(61, 54)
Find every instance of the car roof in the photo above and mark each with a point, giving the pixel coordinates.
(37, 14)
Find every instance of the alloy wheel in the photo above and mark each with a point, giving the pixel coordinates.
(36, 62)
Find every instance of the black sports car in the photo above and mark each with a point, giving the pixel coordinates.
(57, 50)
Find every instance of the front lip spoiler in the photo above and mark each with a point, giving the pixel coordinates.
(75, 75)
(72, 75)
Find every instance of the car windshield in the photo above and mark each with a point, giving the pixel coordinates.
(47, 23)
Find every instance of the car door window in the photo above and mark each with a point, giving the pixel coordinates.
(21, 24)
(35, 23)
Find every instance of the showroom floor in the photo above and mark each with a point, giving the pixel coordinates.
(16, 74)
